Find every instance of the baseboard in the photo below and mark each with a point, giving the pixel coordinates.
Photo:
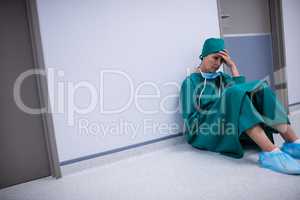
(106, 159)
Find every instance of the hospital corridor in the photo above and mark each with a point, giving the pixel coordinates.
(149, 99)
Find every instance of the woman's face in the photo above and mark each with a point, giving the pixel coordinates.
(212, 62)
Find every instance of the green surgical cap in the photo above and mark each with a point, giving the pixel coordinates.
(212, 45)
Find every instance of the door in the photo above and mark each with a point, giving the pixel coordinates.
(246, 29)
(252, 31)
(23, 150)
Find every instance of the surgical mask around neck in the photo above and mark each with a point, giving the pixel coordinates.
(210, 75)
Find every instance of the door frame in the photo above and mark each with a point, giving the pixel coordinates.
(42, 85)
(279, 57)
(278, 48)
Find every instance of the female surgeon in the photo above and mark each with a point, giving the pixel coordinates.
(222, 110)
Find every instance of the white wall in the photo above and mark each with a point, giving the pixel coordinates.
(148, 41)
(291, 16)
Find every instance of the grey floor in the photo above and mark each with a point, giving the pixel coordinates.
(176, 171)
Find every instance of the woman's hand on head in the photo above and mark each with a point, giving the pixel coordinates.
(225, 56)
(229, 62)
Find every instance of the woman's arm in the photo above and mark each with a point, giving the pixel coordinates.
(236, 77)
(229, 63)
(234, 71)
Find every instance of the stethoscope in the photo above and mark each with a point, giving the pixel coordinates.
(221, 86)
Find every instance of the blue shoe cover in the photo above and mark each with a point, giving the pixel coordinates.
(279, 162)
(293, 149)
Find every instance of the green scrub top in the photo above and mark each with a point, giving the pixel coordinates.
(227, 108)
